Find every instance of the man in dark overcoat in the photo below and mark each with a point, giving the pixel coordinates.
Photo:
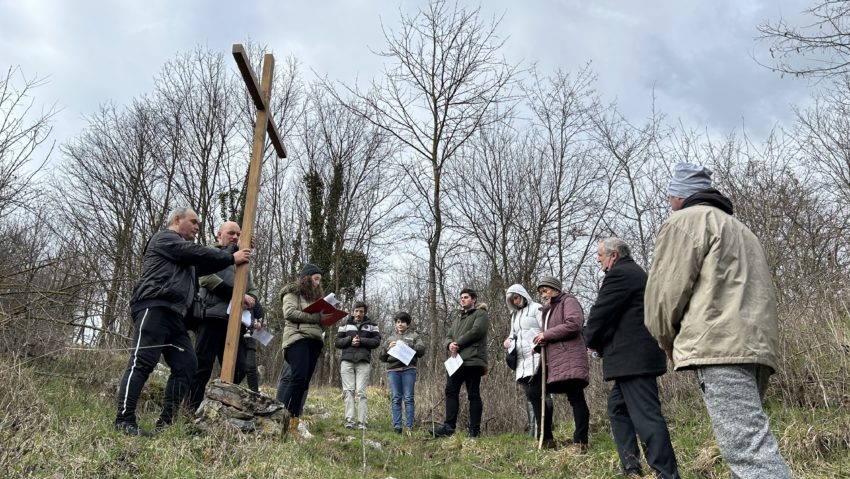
(632, 359)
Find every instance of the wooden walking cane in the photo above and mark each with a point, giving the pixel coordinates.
(542, 396)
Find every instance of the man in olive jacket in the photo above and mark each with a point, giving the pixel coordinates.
(711, 305)
(632, 359)
(467, 336)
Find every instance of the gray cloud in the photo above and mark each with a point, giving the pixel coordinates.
(695, 55)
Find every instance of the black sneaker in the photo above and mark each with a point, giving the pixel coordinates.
(131, 429)
(443, 430)
(160, 425)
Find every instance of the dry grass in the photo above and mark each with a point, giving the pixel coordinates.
(56, 411)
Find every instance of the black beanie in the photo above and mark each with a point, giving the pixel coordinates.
(309, 270)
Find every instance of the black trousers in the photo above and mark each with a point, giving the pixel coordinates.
(634, 409)
(471, 377)
(156, 331)
(574, 389)
(286, 380)
(252, 375)
(210, 345)
(302, 356)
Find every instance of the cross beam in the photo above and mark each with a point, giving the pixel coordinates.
(261, 94)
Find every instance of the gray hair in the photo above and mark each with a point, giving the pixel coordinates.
(221, 226)
(616, 245)
(179, 212)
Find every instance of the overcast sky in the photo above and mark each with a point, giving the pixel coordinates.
(697, 55)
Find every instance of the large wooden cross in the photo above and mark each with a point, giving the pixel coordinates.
(261, 94)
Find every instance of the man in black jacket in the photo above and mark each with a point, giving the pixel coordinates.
(357, 336)
(217, 288)
(632, 359)
(159, 304)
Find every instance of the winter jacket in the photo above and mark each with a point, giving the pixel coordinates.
(615, 325)
(297, 324)
(566, 354)
(169, 269)
(525, 324)
(710, 295)
(217, 288)
(370, 338)
(412, 339)
(469, 331)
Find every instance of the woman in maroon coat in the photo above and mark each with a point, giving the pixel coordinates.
(567, 370)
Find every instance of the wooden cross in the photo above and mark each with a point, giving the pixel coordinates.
(261, 94)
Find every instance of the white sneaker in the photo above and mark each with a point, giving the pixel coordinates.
(302, 430)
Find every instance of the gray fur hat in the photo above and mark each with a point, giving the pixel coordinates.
(689, 179)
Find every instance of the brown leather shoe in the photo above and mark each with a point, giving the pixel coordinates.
(577, 448)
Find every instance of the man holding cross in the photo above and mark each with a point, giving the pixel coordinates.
(217, 288)
(159, 303)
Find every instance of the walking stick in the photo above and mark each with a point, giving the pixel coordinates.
(542, 396)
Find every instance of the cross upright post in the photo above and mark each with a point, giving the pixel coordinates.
(261, 95)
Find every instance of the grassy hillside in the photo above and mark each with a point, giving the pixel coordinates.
(58, 425)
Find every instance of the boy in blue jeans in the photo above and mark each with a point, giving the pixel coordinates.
(402, 377)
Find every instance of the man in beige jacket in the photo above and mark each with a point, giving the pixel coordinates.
(711, 305)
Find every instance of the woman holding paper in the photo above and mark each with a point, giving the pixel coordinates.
(400, 352)
(302, 340)
(526, 322)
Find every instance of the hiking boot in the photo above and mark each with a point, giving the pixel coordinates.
(474, 433)
(577, 448)
(131, 429)
(362, 426)
(349, 425)
(443, 430)
(633, 473)
(397, 430)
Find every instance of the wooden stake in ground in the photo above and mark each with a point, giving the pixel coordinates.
(261, 94)
(542, 396)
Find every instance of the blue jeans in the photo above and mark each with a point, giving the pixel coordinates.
(401, 387)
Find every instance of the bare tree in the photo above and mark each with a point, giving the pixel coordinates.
(564, 106)
(199, 100)
(443, 81)
(23, 132)
(109, 192)
(819, 49)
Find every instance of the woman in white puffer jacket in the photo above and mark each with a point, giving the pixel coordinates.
(526, 322)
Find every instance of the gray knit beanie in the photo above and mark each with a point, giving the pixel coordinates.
(551, 282)
(689, 179)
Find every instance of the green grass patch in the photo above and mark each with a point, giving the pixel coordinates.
(57, 426)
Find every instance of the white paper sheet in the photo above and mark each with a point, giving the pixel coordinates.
(262, 336)
(331, 299)
(453, 363)
(246, 316)
(402, 352)
(512, 346)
